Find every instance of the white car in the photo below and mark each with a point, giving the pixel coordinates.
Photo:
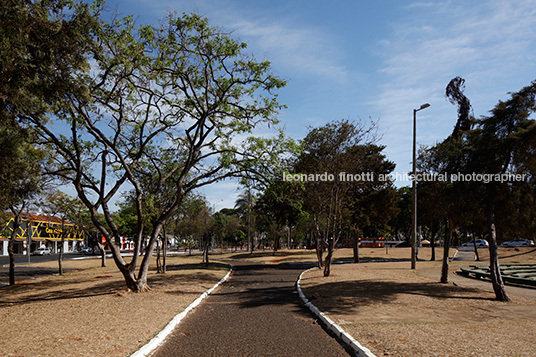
(42, 251)
(518, 243)
(479, 243)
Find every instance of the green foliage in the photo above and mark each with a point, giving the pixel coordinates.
(500, 143)
(159, 112)
(66, 207)
(195, 218)
(20, 167)
(341, 204)
(282, 203)
(41, 44)
(227, 228)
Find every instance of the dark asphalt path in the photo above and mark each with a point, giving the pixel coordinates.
(255, 313)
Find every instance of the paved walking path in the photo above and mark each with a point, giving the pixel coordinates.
(255, 313)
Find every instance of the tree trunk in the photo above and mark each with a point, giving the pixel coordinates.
(103, 254)
(355, 247)
(495, 271)
(205, 250)
(277, 238)
(10, 252)
(432, 247)
(327, 265)
(319, 253)
(60, 255)
(164, 263)
(11, 259)
(446, 249)
(477, 257)
(158, 262)
(141, 281)
(250, 236)
(432, 242)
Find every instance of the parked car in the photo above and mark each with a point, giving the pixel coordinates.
(87, 250)
(518, 243)
(42, 251)
(479, 243)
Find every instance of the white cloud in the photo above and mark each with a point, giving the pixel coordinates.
(292, 47)
(490, 44)
(303, 50)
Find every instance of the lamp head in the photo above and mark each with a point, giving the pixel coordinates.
(425, 105)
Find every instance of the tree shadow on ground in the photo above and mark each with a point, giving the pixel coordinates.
(264, 286)
(255, 297)
(190, 266)
(270, 253)
(367, 259)
(64, 293)
(518, 254)
(24, 272)
(35, 283)
(345, 297)
(109, 283)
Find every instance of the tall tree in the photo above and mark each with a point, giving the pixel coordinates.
(372, 200)
(42, 43)
(503, 143)
(168, 102)
(344, 172)
(245, 203)
(20, 180)
(281, 205)
(197, 222)
(401, 222)
(454, 143)
(500, 145)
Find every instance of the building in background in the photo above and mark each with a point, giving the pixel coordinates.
(37, 231)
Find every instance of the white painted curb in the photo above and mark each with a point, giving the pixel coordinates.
(152, 345)
(359, 349)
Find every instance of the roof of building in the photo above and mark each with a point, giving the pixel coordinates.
(28, 216)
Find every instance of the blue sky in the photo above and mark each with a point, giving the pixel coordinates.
(379, 59)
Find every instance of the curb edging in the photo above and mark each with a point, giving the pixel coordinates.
(156, 341)
(359, 349)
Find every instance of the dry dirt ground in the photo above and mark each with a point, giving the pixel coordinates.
(88, 312)
(386, 306)
(340, 255)
(395, 311)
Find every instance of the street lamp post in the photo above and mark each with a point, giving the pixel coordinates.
(414, 189)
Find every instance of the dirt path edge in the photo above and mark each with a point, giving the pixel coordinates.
(358, 348)
(156, 341)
